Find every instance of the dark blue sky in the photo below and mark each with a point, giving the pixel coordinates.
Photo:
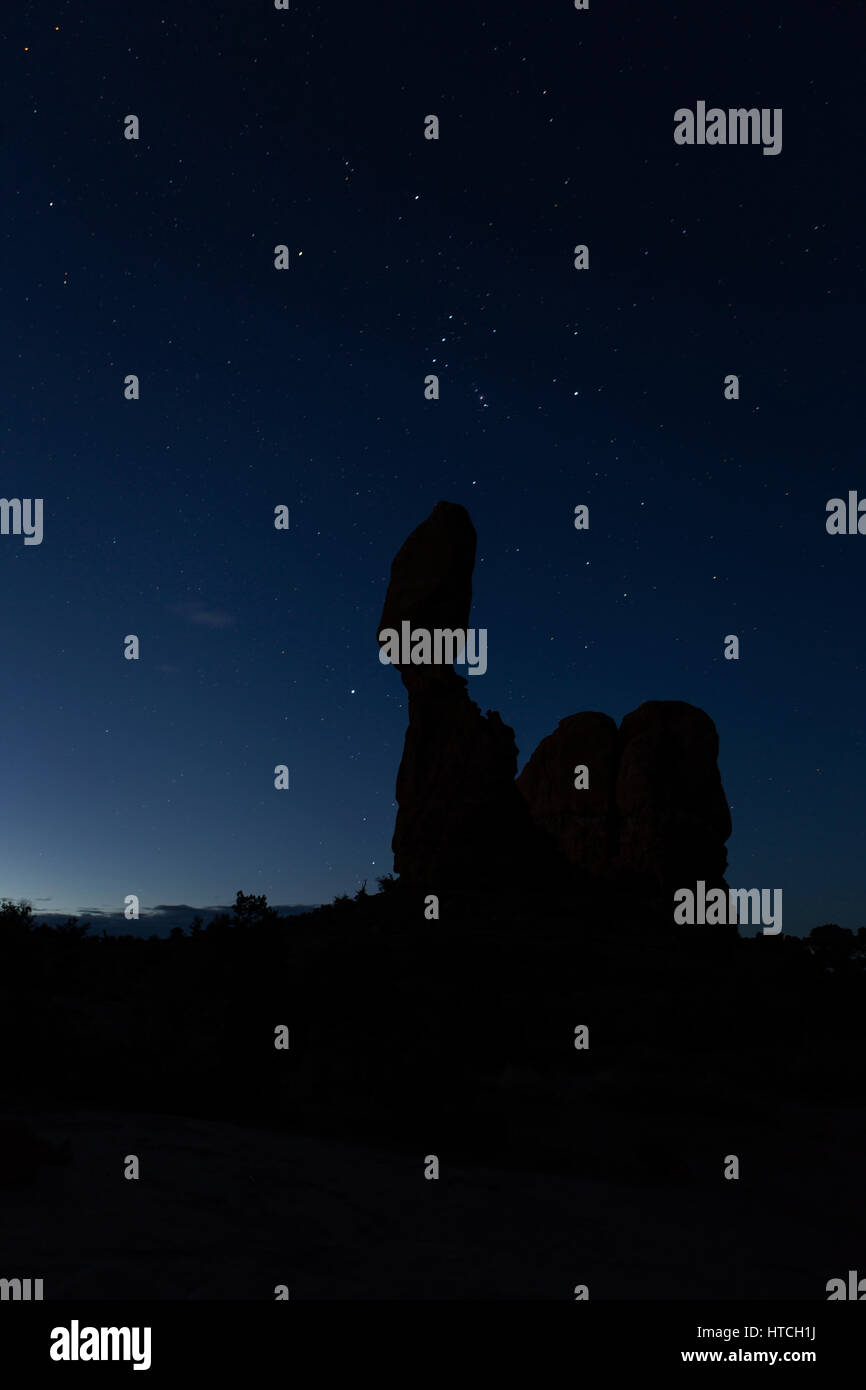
(305, 387)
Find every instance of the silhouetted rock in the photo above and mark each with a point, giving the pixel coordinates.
(580, 823)
(672, 810)
(461, 821)
(654, 810)
(652, 817)
(431, 585)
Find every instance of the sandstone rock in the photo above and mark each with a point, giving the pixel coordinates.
(461, 821)
(653, 818)
(580, 823)
(431, 585)
(672, 810)
(655, 812)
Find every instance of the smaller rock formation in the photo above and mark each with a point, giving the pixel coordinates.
(654, 812)
(582, 824)
(671, 808)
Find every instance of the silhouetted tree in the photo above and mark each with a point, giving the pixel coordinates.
(251, 910)
(72, 929)
(16, 918)
(832, 945)
(219, 927)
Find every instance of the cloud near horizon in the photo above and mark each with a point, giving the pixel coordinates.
(154, 921)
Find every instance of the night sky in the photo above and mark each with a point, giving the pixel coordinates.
(306, 388)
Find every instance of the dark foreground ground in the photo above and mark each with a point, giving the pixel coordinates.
(558, 1167)
(222, 1212)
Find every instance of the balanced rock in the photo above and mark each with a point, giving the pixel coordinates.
(461, 823)
(641, 807)
(431, 586)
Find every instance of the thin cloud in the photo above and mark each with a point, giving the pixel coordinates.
(154, 921)
(201, 615)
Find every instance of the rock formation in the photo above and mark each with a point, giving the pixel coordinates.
(582, 824)
(672, 812)
(461, 822)
(431, 586)
(654, 810)
(653, 816)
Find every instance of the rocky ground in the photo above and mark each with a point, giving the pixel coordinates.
(224, 1212)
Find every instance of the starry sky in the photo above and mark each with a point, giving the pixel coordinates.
(305, 388)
